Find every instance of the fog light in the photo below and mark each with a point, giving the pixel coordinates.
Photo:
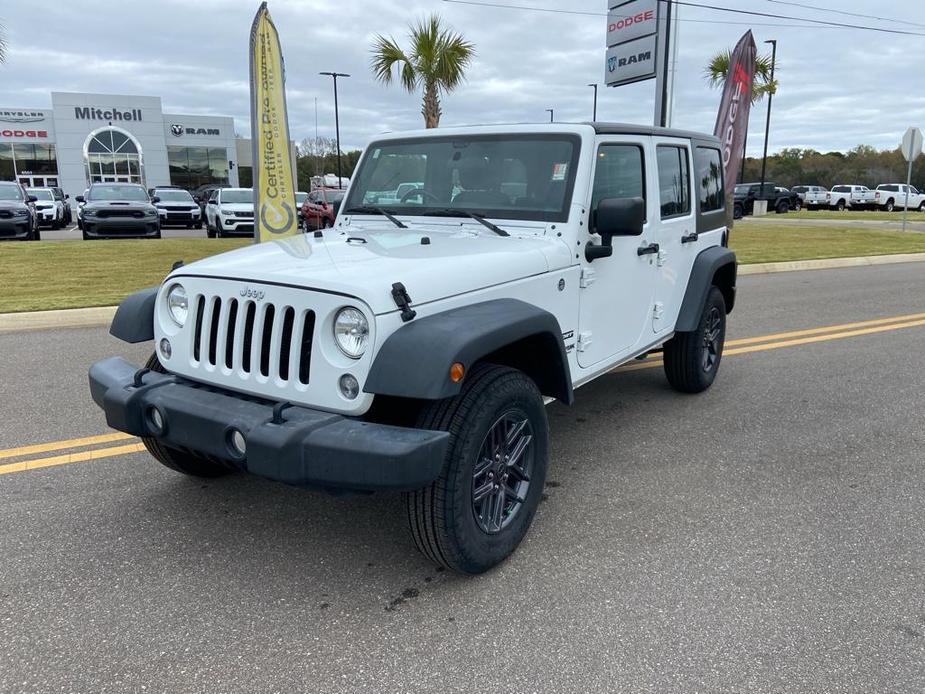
(156, 420)
(349, 386)
(166, 349)
(237, 442)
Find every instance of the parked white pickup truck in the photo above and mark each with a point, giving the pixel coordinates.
(893, 195)
(855, 197)
(814, 197)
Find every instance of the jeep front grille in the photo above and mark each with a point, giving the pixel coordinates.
(253, 338)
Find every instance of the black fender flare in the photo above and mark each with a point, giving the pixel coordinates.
(134, 319)
(415, 360)
(717, 259)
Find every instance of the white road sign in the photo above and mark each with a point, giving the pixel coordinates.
(912, 144)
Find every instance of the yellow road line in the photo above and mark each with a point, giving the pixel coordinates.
(60, 445)
(742, 346)
(66, 458)
(826, 329)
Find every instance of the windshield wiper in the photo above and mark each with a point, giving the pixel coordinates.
(380, 211)
(450, 212)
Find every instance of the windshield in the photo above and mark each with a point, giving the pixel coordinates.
(41, 193)
(173, 195)
(132, 193)
(300, 198)
(502, 176)
(231, 196)
(10, 193)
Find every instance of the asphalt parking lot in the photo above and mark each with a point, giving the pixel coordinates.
(764, 536)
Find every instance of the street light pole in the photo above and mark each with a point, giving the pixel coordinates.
(550, 112)
(594, 117)
(335, 75)
(767, 122)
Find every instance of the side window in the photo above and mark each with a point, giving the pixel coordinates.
(709, 178)
(619, 173)
(673, 181)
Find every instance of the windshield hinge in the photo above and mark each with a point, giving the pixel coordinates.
(403, 301)
(587, 278)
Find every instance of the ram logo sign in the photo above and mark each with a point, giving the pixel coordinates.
(179, 131)
(632, 61)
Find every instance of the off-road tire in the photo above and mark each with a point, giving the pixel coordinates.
(783, 207)
(692, 359)
(177, 460)
(738, 211)
(442, 516)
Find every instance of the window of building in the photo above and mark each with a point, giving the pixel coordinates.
(7, 168)
(192, 167)
(28, 163)
(113, 156)
(619, 173)
(710, 178)
(674, 181)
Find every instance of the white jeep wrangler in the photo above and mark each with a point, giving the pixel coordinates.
(412, 347)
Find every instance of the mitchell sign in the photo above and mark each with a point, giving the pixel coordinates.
(93, 113)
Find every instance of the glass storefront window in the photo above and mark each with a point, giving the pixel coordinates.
(113, 157)
(191, 167)
(7, 170)
(28, 160)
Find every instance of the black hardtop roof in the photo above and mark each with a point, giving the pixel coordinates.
(631, 129)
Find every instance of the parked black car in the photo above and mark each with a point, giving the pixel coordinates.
(119, 210)
(203, 193)
(176, 207)
(779, 199)
(17, 213)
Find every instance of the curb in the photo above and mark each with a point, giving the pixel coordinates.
(102, 315)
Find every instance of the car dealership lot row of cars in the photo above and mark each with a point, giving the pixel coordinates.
(887, 197)
(127, 210)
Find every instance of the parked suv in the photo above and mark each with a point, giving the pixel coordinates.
(230, 212)
(49, 210)
(118, 210)
(414, 349)
(177, 207)
(18, 218)
(320, 208)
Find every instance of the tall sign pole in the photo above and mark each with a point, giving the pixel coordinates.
(912, 148)
(637, 47)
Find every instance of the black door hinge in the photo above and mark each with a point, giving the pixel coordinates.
(403, 301)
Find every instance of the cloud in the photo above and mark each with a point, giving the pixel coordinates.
(838, 88)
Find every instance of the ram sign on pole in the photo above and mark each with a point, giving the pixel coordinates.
(732, 119)
(275, 214)
(632, 41)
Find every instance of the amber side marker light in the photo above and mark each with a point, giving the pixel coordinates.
(457, 371)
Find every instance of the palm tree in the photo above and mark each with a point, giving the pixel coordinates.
(435, 64)
(718, 68)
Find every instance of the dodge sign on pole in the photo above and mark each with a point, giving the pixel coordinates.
(632, 41)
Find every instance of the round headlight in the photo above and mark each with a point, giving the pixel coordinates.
(351, 332)
(178, 304)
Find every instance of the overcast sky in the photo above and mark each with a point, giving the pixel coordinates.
(838, 87)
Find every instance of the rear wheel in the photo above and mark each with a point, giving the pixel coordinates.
(783, 207)
(737, 211)
(840, 206)
(180, 461)
(798, 205)
(692, 358)
(480, 508)
(890, 205)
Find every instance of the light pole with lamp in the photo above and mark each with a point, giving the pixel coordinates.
(594, 117)
(335, 75)
(550, 112)
(767, 123)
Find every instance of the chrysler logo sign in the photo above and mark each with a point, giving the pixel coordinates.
(21, 116)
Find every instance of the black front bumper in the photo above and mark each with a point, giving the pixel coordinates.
(304, 447)
(119, 227)
(17, 228)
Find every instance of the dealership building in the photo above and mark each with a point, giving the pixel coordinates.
(100, 138)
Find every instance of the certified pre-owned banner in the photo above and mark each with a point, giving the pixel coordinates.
(274, 195)
(732, 120)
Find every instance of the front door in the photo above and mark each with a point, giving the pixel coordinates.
(617, 292)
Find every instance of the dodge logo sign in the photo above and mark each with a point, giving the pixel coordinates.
(177, 130)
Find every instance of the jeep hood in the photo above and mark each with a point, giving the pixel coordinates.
(366, 264)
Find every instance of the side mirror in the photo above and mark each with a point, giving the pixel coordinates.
(615, 217)
(80, 198)
(155, 199)
(31, 198)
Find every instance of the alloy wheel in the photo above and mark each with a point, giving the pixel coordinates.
(501, 478)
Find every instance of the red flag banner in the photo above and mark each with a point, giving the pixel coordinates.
(732, 119)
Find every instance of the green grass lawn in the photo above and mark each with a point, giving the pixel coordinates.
(869, 215)
(45, 275)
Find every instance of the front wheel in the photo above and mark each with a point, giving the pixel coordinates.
(692, 358)
(480, 508)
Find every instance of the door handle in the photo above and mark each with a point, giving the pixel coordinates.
(690, 238)
(647, 250)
